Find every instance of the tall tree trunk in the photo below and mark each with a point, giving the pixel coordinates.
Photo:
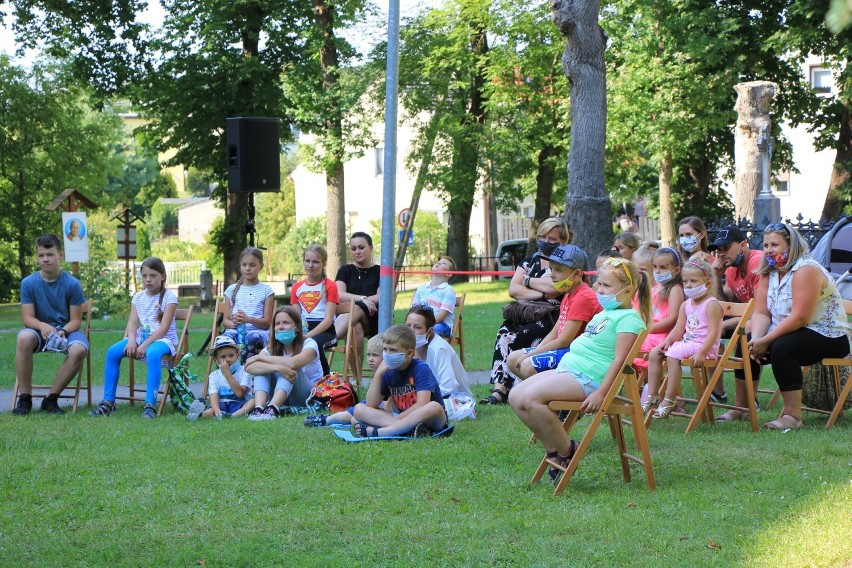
(588, 208)
(667, 217)
(24, 266)
(543, 188)
(458, 233)
(841, 173)
(335, 183)
(700, 173)
(335, 221)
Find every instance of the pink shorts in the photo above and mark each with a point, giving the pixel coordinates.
(681, 350)
(650, 342)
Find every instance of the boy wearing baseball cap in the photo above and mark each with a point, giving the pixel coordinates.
(229, 385)
(579, 305)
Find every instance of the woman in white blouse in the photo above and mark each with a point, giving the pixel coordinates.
(798, 319)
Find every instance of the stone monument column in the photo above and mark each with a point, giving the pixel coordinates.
(753, 103)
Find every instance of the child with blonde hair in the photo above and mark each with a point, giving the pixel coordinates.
(248, 306)
(317, 297)
(439, 296)
(695, 336)
(596, 357)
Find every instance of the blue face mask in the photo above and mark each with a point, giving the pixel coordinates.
(738, 260)
(286, 337)
(609, 301)
(394, 360)
(545, 247)
(663, 277)
(235, 367)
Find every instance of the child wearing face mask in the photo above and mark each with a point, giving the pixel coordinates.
(696, 335)
(666, 298)
(596, 357)
(415, 404)
(578, 306)
(289, 367)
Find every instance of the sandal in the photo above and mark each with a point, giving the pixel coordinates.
(786, 422)
(664, 410)
(421, 431)
(492, 399)
(362, 430)
(731, 416)
(554, 472)
(649, 403)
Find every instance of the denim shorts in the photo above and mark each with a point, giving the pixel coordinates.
(74, 338)
(230, 406)
(588, 383)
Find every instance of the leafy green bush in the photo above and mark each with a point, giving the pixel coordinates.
(310, 231)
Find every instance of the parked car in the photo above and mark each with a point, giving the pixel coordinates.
(509, 255)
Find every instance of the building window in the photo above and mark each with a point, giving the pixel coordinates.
(782, 183)
(821, 79)
(380, 160)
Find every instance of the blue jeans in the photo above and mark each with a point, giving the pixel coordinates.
(153, 355)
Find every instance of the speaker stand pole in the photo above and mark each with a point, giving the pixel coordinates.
(250, 230)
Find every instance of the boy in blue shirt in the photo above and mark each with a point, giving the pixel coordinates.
(52, 312)
(416, 404)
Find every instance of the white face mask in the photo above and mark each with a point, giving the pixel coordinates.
(689, 244)
(695, 292)
(420, 341)
(663, 277)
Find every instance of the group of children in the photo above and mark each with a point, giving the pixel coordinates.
(259, 372)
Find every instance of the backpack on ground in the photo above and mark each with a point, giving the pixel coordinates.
(332, 394)
(180, 376)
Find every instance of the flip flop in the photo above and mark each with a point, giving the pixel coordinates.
(731, 416)
(786, 422)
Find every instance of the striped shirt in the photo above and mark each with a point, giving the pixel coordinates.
(147, 308)
(250, 299)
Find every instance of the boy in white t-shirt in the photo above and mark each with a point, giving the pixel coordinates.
(229, 385)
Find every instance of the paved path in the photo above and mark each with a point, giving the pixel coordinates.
(475, 377)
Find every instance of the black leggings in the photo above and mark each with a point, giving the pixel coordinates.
(800, 348)
(325, 340)
(755, 365)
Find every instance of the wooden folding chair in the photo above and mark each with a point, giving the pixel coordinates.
(350, 353)
(457, 337)
(214, 333)
(726, 362)
(184, 315)
(75, 386)
(613, 407)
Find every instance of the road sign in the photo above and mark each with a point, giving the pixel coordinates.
(403, 216)
(410, 237)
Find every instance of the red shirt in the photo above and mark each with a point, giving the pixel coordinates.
(580, 304)
(744, 287)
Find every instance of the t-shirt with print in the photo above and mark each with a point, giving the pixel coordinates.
(440, 297)
(402, 385)
(580, 304)
(219, 384)
(148, 309)
(743, 287)
(52, 300)
(313, 298)
(250, 299)
(594, 350)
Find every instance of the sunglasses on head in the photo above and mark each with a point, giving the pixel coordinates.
(623, 264)
(778, 228)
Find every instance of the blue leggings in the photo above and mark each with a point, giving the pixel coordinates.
(153, 355)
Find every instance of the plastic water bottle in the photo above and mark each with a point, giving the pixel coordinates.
(146, 332)
(241, 337)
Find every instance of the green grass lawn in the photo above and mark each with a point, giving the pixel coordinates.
(122, 491)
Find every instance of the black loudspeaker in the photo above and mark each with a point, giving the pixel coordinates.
(254, 152)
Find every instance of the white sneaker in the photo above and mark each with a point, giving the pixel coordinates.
(195, 409)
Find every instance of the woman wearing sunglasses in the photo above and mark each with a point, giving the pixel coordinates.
(798, 319)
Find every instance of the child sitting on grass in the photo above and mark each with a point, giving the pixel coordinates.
(374, 359)
(229, 385)
(416, 404)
